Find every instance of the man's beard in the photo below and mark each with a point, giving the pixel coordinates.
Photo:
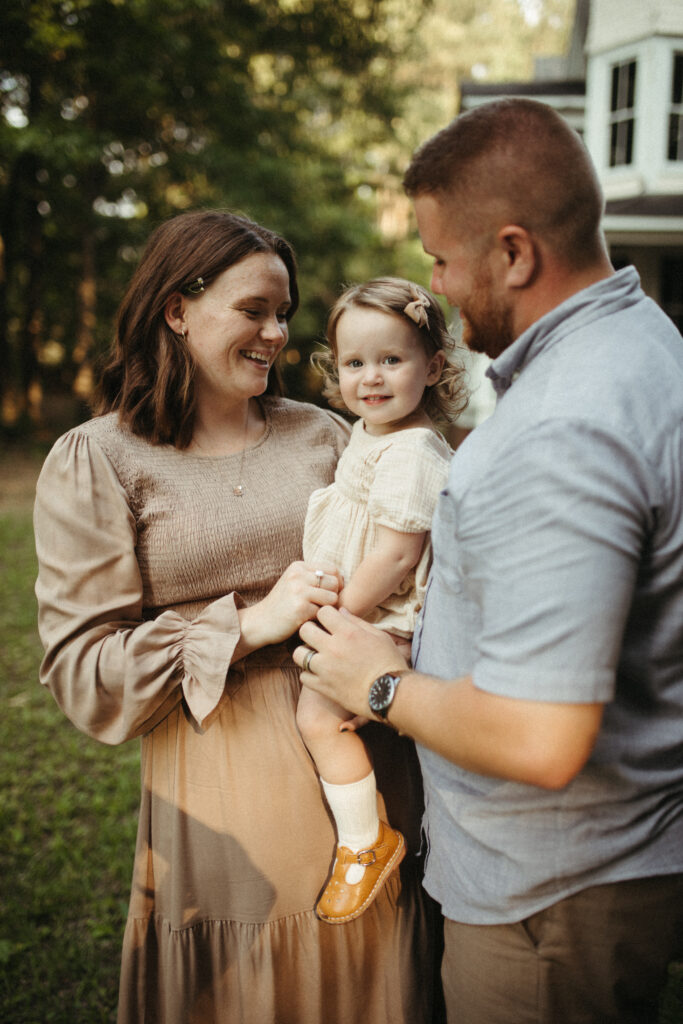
(486, 325)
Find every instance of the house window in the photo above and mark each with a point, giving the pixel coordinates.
(676, 116)
(672, 288)
(622, 119)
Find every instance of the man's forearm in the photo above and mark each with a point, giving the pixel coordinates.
(536, 742)
(540, 743)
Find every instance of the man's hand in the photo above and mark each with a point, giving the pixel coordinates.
(349, 656)
(535, 742)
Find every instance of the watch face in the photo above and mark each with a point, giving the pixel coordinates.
(383, 688)
(381, 694)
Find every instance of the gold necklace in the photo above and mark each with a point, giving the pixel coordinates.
(238, 489)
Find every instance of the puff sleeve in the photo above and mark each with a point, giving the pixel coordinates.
(114, 674)
(409, 475)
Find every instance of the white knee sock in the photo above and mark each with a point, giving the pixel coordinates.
(354, 808)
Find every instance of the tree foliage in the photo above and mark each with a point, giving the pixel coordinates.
(116, 114)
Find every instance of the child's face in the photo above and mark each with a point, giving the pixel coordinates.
(383, 369)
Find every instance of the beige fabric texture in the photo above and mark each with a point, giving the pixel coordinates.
(144, 556)
(392, 481)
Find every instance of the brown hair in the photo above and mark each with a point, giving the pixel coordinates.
(149, 375)
(443, 401)
(516, 161)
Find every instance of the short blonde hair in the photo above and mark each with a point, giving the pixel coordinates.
(444, 401)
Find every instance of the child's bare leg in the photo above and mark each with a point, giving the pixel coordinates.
(344, 767)
(348, 782)
(340, 757)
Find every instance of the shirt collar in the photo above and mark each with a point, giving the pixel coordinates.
(604, 297)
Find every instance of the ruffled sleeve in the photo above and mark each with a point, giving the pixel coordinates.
(113, 674)
(410, 473)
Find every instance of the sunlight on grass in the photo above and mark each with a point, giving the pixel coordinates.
(68, 812)
(67, 828)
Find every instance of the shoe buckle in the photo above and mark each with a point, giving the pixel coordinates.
(366, 857)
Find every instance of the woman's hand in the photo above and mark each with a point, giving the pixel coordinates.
(296, 597)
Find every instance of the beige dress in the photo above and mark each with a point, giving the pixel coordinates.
(145, 555)
(392, 480)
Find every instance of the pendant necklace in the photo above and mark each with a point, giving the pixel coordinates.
(238, 489)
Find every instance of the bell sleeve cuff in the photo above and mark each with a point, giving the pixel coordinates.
(208, 649)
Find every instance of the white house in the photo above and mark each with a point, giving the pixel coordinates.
(621, 86)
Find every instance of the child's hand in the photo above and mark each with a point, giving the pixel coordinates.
(352, 724)
(405, 646)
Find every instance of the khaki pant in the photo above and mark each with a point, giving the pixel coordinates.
(598, 957)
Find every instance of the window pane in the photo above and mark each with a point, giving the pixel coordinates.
(614, 102)
(613, 146)
(628, 142)
(622, 102)
(672, 288)
(631, 80)
(675, 151)
(622, 99)
(621, 143)
(677, 85)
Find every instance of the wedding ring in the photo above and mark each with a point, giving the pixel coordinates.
(319, 574)
(307, 659)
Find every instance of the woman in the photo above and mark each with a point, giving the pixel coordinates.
(169, 541)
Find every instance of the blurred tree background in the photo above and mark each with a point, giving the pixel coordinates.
(117, 114)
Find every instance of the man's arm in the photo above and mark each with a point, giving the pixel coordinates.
(552, 534)
(537, 742)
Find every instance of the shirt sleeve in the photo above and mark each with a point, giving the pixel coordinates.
(406, 486)
(551, 542)
(114, 674)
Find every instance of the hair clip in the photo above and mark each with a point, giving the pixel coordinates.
(197, 287)
(417, 310)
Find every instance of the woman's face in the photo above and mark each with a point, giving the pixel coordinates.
(236, 328)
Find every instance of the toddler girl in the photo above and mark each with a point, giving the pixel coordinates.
(387, 364)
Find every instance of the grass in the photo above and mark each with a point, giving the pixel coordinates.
(68, 811)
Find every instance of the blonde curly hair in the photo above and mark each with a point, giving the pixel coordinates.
(444, 401)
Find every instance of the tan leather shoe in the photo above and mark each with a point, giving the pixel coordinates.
(340, 901)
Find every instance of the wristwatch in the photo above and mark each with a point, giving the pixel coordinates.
(382, 693)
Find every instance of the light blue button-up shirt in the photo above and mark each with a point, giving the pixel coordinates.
(558, 576)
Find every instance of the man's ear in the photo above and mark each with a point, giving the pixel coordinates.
(174, 312)
(519, 256)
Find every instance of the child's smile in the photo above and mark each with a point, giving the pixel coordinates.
(383, 369)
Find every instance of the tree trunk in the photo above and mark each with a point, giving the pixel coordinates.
(21, 231)
(87, 302)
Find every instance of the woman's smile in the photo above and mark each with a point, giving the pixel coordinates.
(237, 328)
(259, 358)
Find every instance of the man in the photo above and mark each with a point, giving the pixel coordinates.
(547, 695)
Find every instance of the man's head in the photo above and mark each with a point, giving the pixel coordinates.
(515, 161)
(503, 193)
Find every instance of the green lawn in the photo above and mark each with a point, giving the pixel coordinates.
(68, 810)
